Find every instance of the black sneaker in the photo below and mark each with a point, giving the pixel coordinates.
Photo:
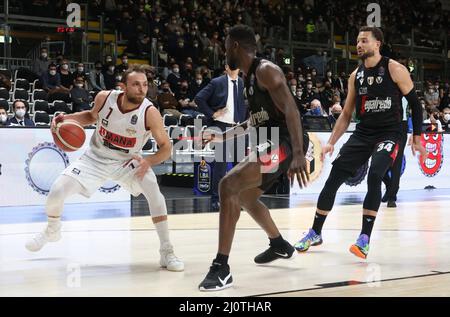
(218, 278)
(391, 204)
(272, 253)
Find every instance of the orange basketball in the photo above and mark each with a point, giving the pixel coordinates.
(69, 135)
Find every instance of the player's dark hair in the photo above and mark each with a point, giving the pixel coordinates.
(137, 68)
(376, 32)
(244, 35)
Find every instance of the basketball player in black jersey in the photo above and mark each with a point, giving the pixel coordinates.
(272, 109)
(375, 89)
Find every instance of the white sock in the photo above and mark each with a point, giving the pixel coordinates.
(54, 223)
(162, 228)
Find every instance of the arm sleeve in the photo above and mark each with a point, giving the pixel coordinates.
(416, 109)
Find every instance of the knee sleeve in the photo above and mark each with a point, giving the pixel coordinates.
(156, 201)
(62, 188)
(328, 194)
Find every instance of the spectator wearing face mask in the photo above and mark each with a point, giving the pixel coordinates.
(316, 108)
(198, 84)
(51, 79)
(431, 96)
(185, 99)
(108, 61)
(167, 102)
(4, 122)
(80, 71)
(124, 66)
(20, 118)
(445, 119)
(80, 96)
(309, 94)
(109, 76)
(174, 78)
(433, 119)
(96, 79)
(65, 75)
(40, 65)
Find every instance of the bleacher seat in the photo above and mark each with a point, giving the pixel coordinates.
(20, 93)
(22, 83)
(4, 93)
(41, 105)
(59, 106)
(169, 120)
(4, 104)
(41, 118)
(39, 94)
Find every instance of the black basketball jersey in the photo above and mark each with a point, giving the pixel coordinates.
(262, 110)
(378, 98)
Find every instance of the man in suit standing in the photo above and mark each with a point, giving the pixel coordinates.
(222, 102)
(20, 108)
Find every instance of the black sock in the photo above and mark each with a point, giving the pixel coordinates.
(277, 242)
(319, 220)
(367, 224)
(221, 259)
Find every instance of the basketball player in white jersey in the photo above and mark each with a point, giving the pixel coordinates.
(125, 120)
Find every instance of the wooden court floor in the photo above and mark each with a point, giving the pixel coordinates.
(409, 256)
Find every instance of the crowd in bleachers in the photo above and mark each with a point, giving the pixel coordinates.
(189, 38)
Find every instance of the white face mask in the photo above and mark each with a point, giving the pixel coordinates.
(53, 72)
(176, 70)
(299, 94)
(111, 69)
(65, 66)
(309, 86)
(20, 113)
(198, 81)
(79, 85)
(44, 55)
(447, 117)
(3, 118)
(80, 69)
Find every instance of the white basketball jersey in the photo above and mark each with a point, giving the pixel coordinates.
(119, 134)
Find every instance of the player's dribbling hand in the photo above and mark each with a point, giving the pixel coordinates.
(143, 167)
(417, 146)
(328, 148)
(298, 170)
(59, 118)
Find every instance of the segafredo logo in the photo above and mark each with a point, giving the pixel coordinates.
(74, 17)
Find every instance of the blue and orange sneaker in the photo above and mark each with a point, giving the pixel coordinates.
(311, 239)
(361, 247)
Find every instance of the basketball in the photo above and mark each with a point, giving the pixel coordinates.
(69, 136)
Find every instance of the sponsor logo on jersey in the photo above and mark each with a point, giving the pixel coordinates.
(361, 80)
(131, 131)
(116, 139)
(134, 119)
(360, 74)
(370, 80)
(363, 90)
(379, 80)
(76, 171)
(381, 71)
(259, 117)
(377, 105)
(105, 122)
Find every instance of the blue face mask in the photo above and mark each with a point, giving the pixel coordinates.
(316, 112)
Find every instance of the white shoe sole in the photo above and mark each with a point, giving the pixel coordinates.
(202, 289)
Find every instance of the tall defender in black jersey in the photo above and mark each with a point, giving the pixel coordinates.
(375, 90)
(279, 148)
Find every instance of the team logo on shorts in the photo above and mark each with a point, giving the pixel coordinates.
(109, 187)
(44, 164)
(433, 144)
(134, 119)
(379, 80)
(370, 80)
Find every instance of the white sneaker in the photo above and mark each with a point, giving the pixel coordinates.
(51, 234)
(170, 261)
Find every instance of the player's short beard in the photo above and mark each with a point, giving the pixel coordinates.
(367, 55)
(135, 100)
